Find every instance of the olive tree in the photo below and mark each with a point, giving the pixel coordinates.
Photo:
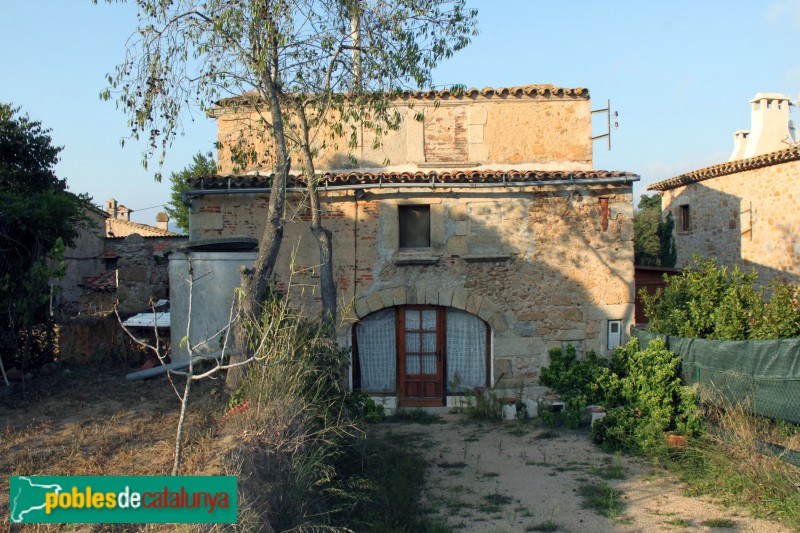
(301, 68)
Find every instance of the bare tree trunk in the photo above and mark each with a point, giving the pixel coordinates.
(323, 235)
(256, 280)
(355, 38)
(176, 465)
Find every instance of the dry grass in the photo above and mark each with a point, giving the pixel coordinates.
(82, 421)
(729, 463)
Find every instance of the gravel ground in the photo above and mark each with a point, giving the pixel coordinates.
(520, 477)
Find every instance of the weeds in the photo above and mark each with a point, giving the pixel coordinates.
(493, 503)
(546, 435)
(547, 525)
(456, 464)
(614, 470)
(677, 522)
(718, 522)
(482, 404)
(414, 416)
(602, 498)
(727, 464)
(387, 477)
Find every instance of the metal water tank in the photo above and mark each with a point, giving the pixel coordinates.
(216, 264)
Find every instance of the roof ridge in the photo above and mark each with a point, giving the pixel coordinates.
(729, 167)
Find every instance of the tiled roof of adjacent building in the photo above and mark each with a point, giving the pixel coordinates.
(731, 167)
(119, 227)
(435, 177)
(104, 282)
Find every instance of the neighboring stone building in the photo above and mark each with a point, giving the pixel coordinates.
(485, 241)
(746, 211)
(115, 262)
(92, 262)
(83, 259)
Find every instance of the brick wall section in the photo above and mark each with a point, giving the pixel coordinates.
(554, 276)
(749, 218)
(446, 136)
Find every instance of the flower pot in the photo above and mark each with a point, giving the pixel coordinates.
(675, 441)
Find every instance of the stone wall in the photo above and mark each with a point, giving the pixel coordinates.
(548, 132)
(535, 263)
(100, 340)
(83, 259)
(139, 277)
(748, 218)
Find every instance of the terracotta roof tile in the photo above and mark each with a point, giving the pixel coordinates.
(119, 227)
(532, 90)
(731, 167)
(389, 178)
(104, 282)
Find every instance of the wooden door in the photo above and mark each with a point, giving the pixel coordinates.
(420, 342)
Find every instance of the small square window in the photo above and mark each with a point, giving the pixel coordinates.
(686, 218)
(415, 226)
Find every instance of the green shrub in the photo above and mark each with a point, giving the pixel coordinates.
(577, 382)
(651, 400)
(361, 405)
(568, 376)
(712, 302)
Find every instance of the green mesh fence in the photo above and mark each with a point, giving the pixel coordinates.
(762, 375)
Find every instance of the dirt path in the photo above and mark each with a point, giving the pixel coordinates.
(517, 477)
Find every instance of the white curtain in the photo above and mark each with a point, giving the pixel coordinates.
(466, 351)
(377, 351)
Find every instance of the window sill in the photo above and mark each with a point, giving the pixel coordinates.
(486, 258)
(408, 260)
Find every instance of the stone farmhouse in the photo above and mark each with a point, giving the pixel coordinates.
(474, 239)
(744, 211)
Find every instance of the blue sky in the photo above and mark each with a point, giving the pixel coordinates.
(679, 72)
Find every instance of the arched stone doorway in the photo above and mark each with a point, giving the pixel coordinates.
(421, 353)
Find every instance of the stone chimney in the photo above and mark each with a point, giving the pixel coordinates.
(111, 207)
(117, 210)
(769, 130)
(162, 221)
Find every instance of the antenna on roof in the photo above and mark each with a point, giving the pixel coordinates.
(609, 116)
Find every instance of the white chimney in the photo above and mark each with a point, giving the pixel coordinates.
(769, 129)
(739, 144)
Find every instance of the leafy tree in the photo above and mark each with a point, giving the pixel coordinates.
(650, 202)
(668, 252)
(300, 67)
(202, 165)
(37, 218)
(654, 243)
(646, 243)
